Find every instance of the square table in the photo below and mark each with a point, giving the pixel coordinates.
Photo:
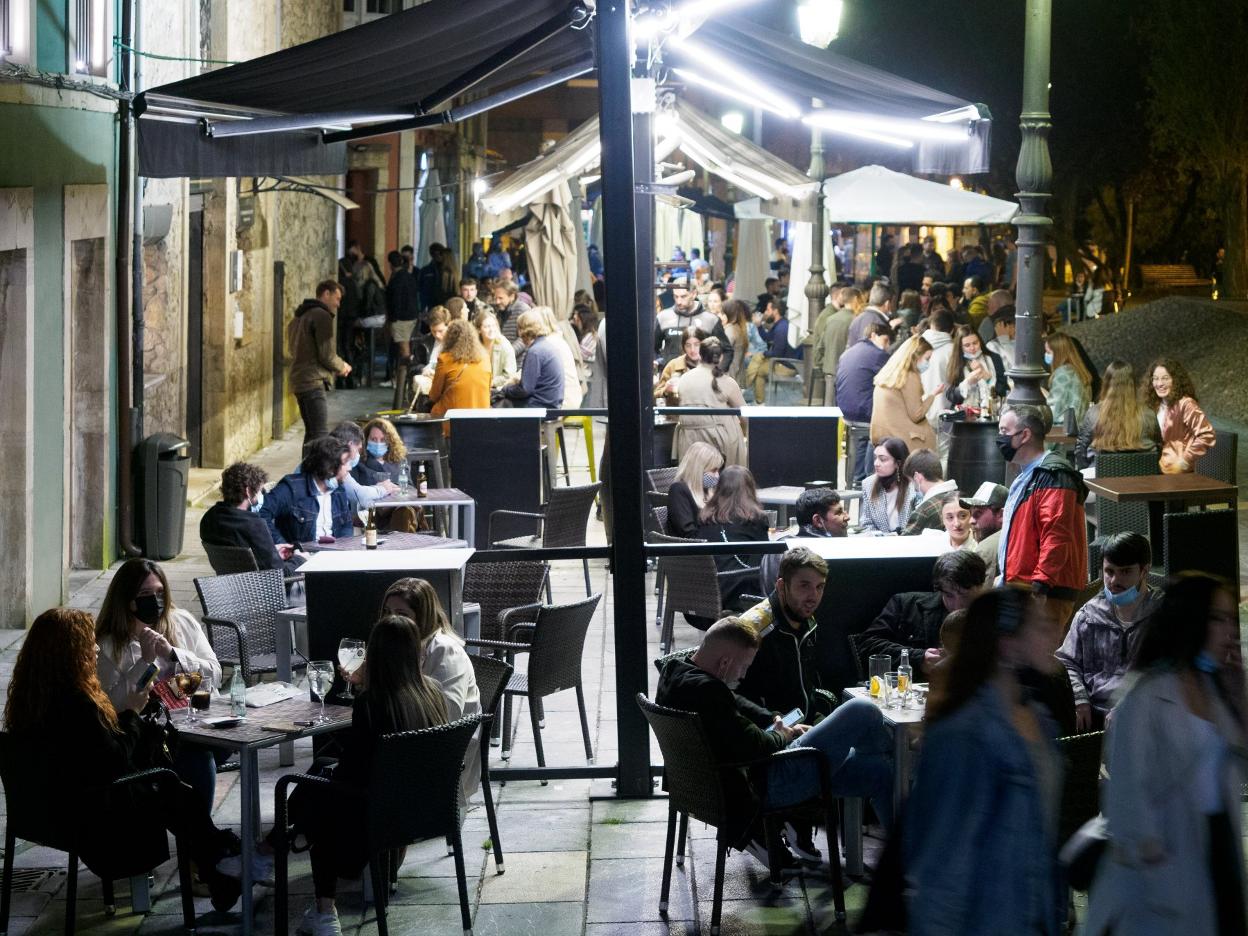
(386, 542)
(263, 727)
(1165, 492)
(463, 517)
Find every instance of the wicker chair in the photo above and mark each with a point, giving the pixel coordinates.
(227, 560)
(240, 618)
(412, 794)
(508, 593)
(661, 536)
(659, 480)
(1081, 781)
(856, 652)
(1201, 541)
(1119, 518)
(561, 522)
(555, 643)
(1221, 461)
(693, 778)
(492, 676)
(128, 845)
(691, 585)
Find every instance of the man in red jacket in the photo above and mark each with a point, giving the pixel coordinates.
(1044, 540)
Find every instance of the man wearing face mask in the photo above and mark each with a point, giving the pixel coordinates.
(1103, 636)
(740, 730)
(1044, 540)
(312, 504)
(235, 520)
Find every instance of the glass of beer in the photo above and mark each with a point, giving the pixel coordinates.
(877, 665)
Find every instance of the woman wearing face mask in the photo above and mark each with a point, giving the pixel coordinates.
(139, 625)
(888, 498)
(974, 374)
(899, 405)
(312, 505)
(1185, 430)
(695, 481)
(989, 865)
(384, 451)
(234, 520)
(1176, 755)
(1070, 386)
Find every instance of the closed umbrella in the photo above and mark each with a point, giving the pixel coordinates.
(666, 230)
(432, 220)
(753, 260)
(584, 278)
(550, 240)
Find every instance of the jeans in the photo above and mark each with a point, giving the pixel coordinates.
(197, 768)
(856, 747)
(314, 410)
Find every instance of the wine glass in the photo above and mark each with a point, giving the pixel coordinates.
(188, 683)
(320, 681)
(350, 659)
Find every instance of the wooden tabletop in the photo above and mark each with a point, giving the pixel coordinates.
(263, 727)
(387, 541)
(1194, 488)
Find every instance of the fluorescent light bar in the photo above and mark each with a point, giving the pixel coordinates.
(958, 114)
(848, 130)
(760, 91)
(688, 14)
(888, 126)
(738, 94)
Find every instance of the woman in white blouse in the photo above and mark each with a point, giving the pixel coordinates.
(138, 626)
(443, 658)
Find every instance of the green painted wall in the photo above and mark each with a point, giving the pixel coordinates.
(51, 23)
(57, 147)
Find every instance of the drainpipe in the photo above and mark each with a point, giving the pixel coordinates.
(125, 415)
(138, 325)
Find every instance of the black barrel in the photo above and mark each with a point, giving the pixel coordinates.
(973, 455)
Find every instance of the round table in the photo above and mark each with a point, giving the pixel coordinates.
(973, 455)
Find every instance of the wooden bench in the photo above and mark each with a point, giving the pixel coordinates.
(1166, 276)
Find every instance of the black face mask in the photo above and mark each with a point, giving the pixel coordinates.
(1005, 445)
(149, 608)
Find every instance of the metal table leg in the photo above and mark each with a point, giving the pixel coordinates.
(853, 835)
(470, 523)
(249, 800)
(286, 750)
(901, 766)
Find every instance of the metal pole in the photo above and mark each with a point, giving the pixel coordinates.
(624, 392)
(817, 286)
(643, 169)
(1034, 175)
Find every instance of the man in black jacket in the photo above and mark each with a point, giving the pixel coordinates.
(739, 730)
(234, 520)
(910, 622)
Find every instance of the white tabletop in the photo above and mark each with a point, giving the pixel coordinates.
(872, 547)
(894, 716)
(789, 493)
(388, 560)
(507, 412)
(790, 412)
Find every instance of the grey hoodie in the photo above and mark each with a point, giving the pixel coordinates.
(1098, 649)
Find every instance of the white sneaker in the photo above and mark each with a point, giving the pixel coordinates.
(315, 923)
(261, 868)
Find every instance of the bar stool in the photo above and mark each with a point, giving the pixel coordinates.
(587, 427)
(857, 432)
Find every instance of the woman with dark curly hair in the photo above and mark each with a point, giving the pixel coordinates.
(235, 519)
(1185, 430)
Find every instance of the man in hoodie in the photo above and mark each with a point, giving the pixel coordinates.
(314, 363)
(1044, 540)
(684, 312)
(785, 672)
(852, 740)
(1106, 630)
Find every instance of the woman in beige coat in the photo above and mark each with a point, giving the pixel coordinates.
(899, 405)
(706, 385)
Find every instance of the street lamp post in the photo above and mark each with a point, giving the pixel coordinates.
(1034, 175)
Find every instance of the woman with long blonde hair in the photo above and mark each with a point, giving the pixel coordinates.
(696, 479)
(1118, 422)
(1070, 384)
(462, 377)
(74, 739)
(898, 404)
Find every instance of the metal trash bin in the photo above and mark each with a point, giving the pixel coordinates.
(164, 468)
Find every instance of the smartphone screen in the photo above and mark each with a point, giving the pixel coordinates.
(146, 679)
(792, 718)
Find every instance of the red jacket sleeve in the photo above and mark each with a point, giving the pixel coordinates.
(1062, 561)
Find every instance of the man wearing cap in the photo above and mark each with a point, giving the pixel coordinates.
(987, 507)
(1044, 538)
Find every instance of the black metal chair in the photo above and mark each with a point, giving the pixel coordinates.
(777, 380)
(555, 645)
(132, 846)
(694, 780)
(492, 677)
(412, 794)
(240, 620)
(561, 522)
(1132, 516)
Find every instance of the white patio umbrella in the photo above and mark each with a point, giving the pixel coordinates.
(550, 239)
(753, 260)
(432, 220)
(875, 195)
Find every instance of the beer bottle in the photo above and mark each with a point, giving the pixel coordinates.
(422, 482)
(370, 530)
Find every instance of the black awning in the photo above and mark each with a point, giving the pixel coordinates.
(404, 63)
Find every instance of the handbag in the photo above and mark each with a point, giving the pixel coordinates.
(158, 738)
(1082, 853)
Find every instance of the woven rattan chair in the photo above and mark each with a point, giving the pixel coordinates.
(492, 677)
(412, 794)
(1200, 541)
(240, 619)
(561, 522)
(1080, 782)
(1221, 461)
(227, 560)
(661, 536)
(693, 778)
(659, 480)
(555, 643)
(127, 845)
(860, 670)
(508, 593)
(691, 585)
(1119, 518)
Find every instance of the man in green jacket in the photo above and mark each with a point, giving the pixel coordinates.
(314, 361)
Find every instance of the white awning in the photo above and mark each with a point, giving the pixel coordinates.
(875, 195)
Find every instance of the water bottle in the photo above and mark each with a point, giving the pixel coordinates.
(405, 477)
(238, 694)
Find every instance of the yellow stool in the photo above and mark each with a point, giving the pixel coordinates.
(587, 427)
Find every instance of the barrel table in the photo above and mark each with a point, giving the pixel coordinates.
(973, 455)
